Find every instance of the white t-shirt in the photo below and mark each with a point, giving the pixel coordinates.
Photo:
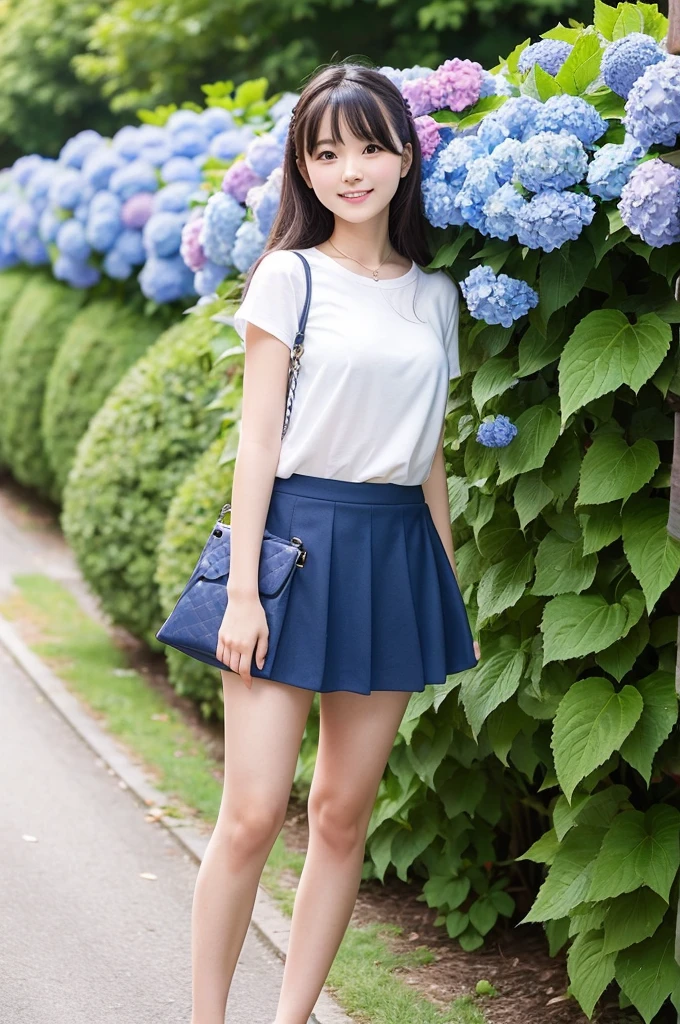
(372, 386)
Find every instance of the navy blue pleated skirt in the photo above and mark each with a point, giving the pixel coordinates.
(376, 605)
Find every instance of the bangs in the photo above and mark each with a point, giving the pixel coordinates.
(360, 110)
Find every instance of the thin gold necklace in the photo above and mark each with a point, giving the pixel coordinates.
(374, 272)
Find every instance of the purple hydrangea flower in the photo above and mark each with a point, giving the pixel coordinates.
(550, 54)
(610, 168)
(497, 299)
(418, 96)
(571, 114)
(429, 135)
(626, 59)
(137, 210)
(455, 85)
(239, 179)
(552, 218)
(650, 203)
(222, 217)
(653, 105)
(550, 161)
(496, 433)
(190, 248)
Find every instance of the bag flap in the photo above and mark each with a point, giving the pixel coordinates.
(277, 560)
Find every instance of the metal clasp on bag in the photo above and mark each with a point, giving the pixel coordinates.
(302, 556)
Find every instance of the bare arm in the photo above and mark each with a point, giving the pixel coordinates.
(265, 379)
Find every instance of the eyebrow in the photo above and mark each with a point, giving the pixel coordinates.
(324, 142)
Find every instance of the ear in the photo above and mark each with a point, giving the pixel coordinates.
(302, 168)
(406, 158)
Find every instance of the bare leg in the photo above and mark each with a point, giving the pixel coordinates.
(263, 728)
(356, 736)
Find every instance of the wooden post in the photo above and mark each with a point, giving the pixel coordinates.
(673, 40)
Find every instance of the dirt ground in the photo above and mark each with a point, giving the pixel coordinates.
(531, 984)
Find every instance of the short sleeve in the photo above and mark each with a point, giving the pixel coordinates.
(274, 298)
(451, 321)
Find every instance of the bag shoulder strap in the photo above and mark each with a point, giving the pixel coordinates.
(298, 346)
(305, 309)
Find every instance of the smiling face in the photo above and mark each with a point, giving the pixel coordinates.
(353, 164)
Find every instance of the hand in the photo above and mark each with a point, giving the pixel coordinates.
(244, 633)
(475, 646)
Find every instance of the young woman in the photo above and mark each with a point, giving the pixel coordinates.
(375, 613)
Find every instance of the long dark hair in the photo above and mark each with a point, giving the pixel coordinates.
(356, 91)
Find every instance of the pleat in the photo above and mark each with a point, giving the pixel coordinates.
(459, 650)
(427, 596)
(350, 600)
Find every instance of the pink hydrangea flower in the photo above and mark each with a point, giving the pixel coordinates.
(428, 134)
(418, 95)
(190, 248)
(137, 210)
(239, 179)
(455, 85)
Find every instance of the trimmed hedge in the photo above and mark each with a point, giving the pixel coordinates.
(100, 345)
(34, 331)
(138, 448)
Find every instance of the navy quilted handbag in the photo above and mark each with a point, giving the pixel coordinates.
(193, 625)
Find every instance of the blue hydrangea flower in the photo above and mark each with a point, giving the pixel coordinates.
(22, 224)
(230, 144)
(483, 179)
(188, 141)
(71, 240)
(452, 162)
(174, 197)
(48, 226)
(207, 279)
(624, 60)
(496, 433)
(438, 204)
(571, 114)
(552, 218)
(68, 188)
(181, 119)
(100, 164)
(610, 168)
(222, 218)
(283, 106)
(75, 272)
(116, 267)
(24, 167)
(34, 253)
(137, 176)
(82, 212)
(495, 85)
(653, 105)
(74, 152)
(503, 159)
(166, 279)
(103, 226)
(550, 54)
(151, 134)
(105, 202)
(127, 141)
(162, 233)
(129, 246)
(497, 299)
(264, 154)
(214, 120)
(38, 187)
(650, 203)
(501, 210)
(264, 201)
(180, 168)
(248, 245)
(158, 153)
(550, 161)
(515, 120)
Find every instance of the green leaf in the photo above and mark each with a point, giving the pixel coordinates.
(601, 526)
(654, 555)
(604, 351)
(502, 725)
(577, 624)
(536, 350)
(638, 849)
(632, 917)
(410, 842)
(492, 378)
(659, 715)
(630, 19)
(512, 61)
(447, 254)
(458, 490)
(611, 470)
(495, 680)
(500, 537)
(619, 659)
(561, 567)
(540, 85)
(563, 274)
(530, 496)
(543, 851)
(569, 877)
(503, 584)
(591, 723)
(470, 939)
(483, 915)
(605, 19)
(456, 923)
(590, 969)
(648, 972)
(588, 809)
(538, 428)
(582, 66)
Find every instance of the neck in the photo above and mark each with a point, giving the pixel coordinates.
(368, 242)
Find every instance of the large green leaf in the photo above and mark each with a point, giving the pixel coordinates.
(648, 972)
(588, 808)
(501, 537)
(659, 715)
(563, 274)
(591, 723)
(492, 378)
(578, 624)
(611, 470)
(619, 659)
(538, 428)
(590, 969)
(581, 66)
(536, 350)
(604, 351)
(495, 681)
(601, 526)
(653, 554)
(639, 849)
(503, 584)
(632, 917)
(561, 567)
(530, 496)
(569, 877)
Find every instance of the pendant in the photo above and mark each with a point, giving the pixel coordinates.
(375, 275)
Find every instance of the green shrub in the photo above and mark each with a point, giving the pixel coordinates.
(99, 346)
(34, 331)
(191, 514)
(137, 449)
(11, 283)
